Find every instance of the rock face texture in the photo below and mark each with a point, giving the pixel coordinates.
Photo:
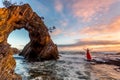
(7, 64)
(15, 50)
(40, 47)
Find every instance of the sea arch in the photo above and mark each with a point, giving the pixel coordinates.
(40, 47)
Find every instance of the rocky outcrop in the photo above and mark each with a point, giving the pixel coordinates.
(7, 64)
(40, 47)
(15, 50)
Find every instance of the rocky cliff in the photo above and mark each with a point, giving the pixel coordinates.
(7, 64)
(40, 47)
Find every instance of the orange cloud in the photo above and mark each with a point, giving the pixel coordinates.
(86, 9)
(95, 45)
(58, 6)
(113, 27)
(109, 48)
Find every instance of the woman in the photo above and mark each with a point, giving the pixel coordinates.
(88, 55)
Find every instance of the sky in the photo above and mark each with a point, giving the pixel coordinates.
(79, 24)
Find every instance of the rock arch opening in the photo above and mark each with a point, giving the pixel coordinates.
(18, 38)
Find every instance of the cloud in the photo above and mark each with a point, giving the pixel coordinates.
(58, 6)
(102, 37)
(57, 32)
(96, 45)
(68, 34)
(111, 36)
(112, 27)
(97, 42)
(63, 23)
(91, 43)
(86, 9)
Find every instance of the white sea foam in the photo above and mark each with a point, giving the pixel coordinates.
(70, 66)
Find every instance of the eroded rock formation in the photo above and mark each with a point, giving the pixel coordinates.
(7, 64)
(40, 47)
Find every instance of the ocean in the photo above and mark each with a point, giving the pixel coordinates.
(70, 66)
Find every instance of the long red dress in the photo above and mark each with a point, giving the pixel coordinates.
(88, 55)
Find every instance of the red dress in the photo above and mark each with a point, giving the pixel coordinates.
(88, 55)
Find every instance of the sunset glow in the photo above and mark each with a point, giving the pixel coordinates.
(80, 23)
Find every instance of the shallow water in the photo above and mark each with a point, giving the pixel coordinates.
(70, 66)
